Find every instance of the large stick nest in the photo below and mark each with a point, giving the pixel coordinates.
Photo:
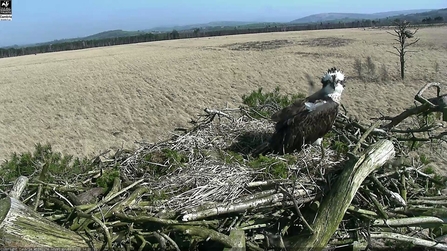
(205, 177)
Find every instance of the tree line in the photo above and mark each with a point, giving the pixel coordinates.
(197, 32)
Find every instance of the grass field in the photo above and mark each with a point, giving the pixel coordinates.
(83, 102)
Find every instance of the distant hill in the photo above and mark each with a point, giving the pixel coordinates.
(101, 35)
(202, 26)
(417, 17)
(113, 33)
(325, 17)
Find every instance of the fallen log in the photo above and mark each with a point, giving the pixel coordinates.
(22, 227)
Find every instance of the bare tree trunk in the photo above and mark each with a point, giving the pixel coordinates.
(402, 33)
(402, 66)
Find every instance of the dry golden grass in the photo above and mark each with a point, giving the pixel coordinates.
(83, 102)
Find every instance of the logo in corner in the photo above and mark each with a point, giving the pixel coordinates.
(5, 9)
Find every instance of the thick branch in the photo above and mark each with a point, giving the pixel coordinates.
(335, 204)
(413, 240)
(428, 105)
(205, 234)
(425, 221)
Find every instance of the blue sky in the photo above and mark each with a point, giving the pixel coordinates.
(40, 21)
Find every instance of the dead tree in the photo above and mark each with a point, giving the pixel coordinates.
(402, 33)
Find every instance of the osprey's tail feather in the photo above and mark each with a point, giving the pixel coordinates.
(261, 149)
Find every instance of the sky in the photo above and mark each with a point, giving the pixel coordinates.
(36, 21)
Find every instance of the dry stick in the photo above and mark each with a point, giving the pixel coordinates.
(143, 242)
(411, 221)
(426, 106)
(423, 100)
(403, 190)
(337, 201)
(214, 112)
(412, 240)
(147, 219)
(428, 202)
(39, 192)
(170, 241)
(370, 129)
(205, 234)
(379, 207)
(394, 196)
(442, 197)
(161, 240)
(253, 246)
(222, 208)
(297, 209)
(362, 211)
(100, 223)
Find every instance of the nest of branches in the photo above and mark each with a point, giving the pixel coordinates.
(201, 189)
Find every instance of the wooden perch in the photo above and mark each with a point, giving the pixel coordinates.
(337, 201)
(21, 227)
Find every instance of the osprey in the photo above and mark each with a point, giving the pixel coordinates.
(306, 121)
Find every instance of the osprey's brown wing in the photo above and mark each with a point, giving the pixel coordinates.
(296, 125)
(296, 108)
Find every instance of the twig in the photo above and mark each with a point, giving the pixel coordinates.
(100, 223)
(394, 196)
(170, 241)
(297, 209)
(370, 129)
(161, 240)
(205, 234)
(39, 192)
(423, 100)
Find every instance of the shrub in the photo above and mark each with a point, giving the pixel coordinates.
(265, 104)
(367, 71)
(43, 162)
(384, 75)
(370, 67)
(358, 67)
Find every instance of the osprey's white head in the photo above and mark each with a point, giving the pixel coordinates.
(333, 83)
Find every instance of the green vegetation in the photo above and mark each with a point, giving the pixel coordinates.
(230, 157)
(45, 163)
(107, 178)
(162, 162)
(265, 104)
(424, 159)
(271, 167)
